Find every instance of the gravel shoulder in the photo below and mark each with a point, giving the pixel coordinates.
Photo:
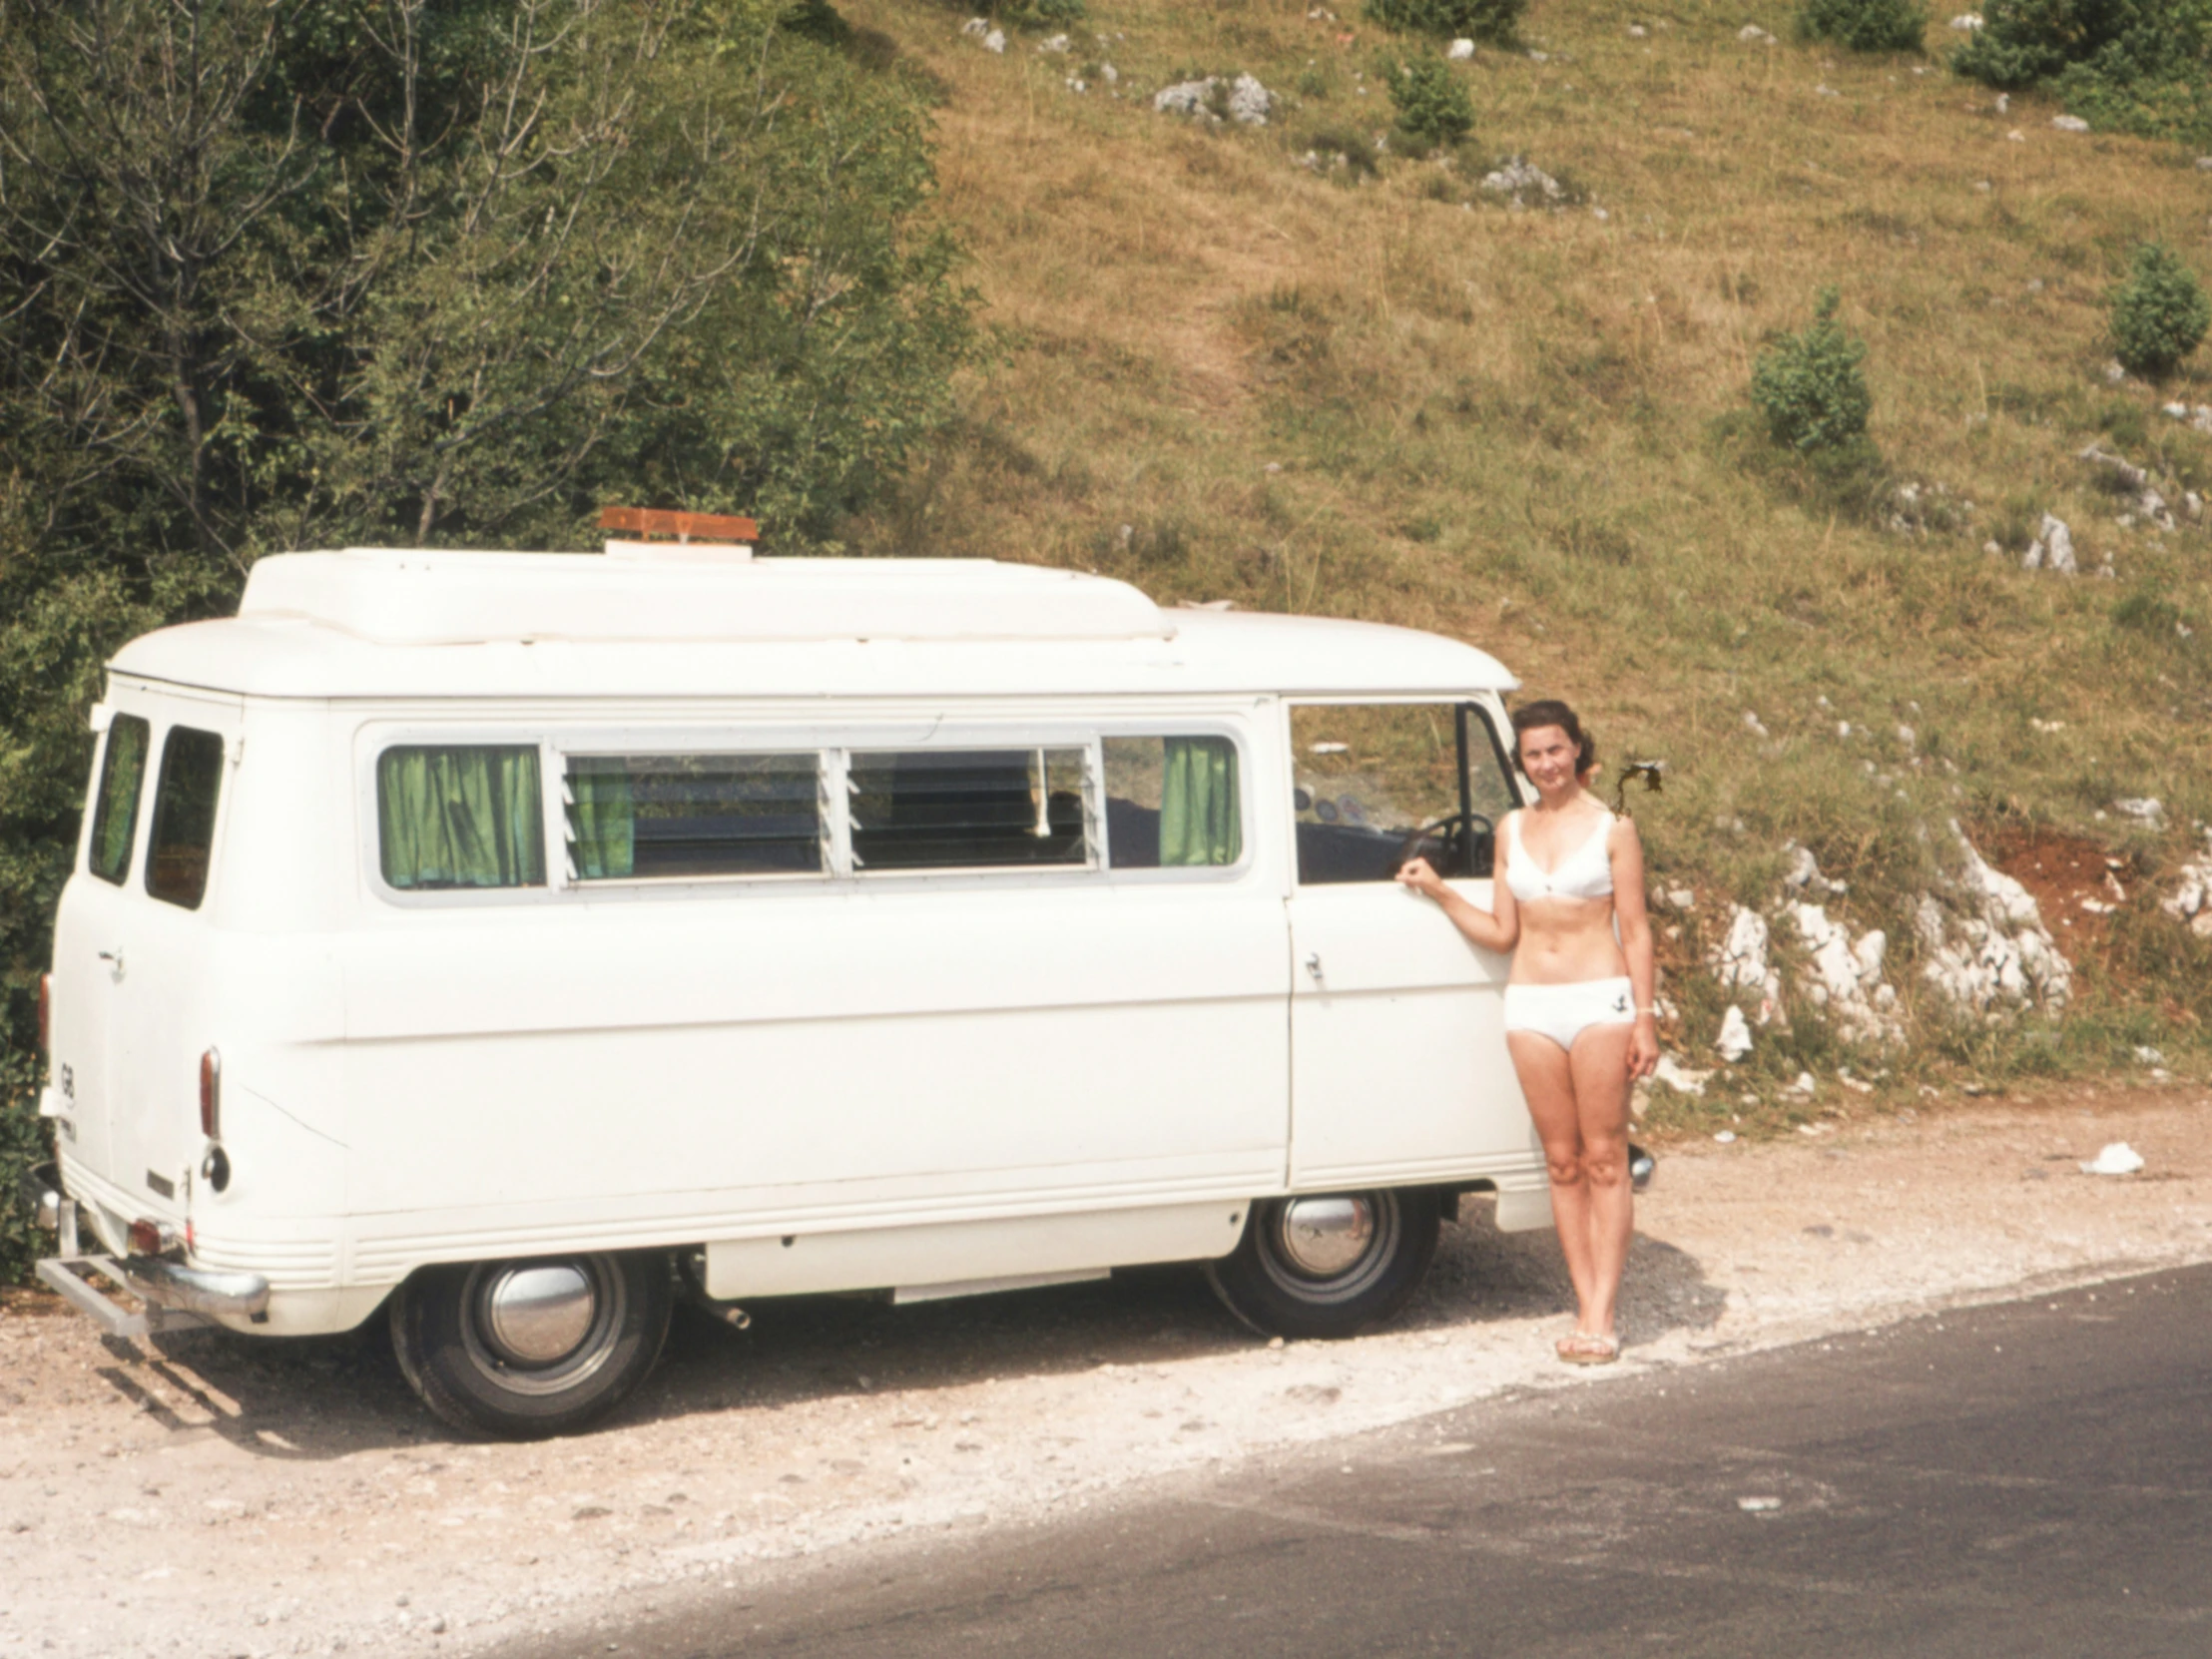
(211, 1495)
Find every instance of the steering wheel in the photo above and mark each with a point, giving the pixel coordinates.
(1454, 833)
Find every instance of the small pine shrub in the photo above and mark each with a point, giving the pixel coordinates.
(1809, 384)
(1866, 25)
(2159, 312)
(1491, 20)
(1432, 107)
(2125, 65)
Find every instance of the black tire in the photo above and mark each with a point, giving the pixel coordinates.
(1282, 1286)
(465, 1342)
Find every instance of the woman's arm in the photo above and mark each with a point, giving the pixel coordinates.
(1626, 849)
(1499, 931)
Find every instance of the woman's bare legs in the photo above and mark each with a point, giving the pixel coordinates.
(1579, 1105)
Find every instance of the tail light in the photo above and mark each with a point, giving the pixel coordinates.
(46, 1013)
(211, 1095)
(146, 1238)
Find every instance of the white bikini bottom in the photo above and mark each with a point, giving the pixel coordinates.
(1565, 1012)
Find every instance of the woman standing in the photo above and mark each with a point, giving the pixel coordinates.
(1579, 1017)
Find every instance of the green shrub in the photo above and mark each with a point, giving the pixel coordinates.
(1864, 25)
(2159, 312)
(2141, 66)
(1809, 384)
(1491, 20)
(1432, 107)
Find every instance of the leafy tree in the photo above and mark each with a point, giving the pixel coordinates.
(1810, 386)
(1433, 106)
(1866, 25)
(2142, 66)
(1491, 20)
(286, 273)
(2160, 313)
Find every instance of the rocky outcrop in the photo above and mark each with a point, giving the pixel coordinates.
(2053, 549)
(1983, 943)
(1845, 982)
(2191, 900)
(1244, 100)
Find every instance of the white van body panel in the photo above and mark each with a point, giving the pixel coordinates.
(916, 1078)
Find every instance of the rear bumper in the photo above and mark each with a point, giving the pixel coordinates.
(175, 1296)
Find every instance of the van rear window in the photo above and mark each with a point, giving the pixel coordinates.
(671, 817)
(970, 807)
(1171, 803)
(115, 809)
(183, 817)
(460, 816)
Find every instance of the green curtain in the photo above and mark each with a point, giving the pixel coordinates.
(1199, 821)
(464, 816)
(605, 820)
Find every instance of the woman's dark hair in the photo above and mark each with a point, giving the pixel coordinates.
(1549, 711)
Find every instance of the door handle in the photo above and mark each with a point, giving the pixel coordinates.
(1313, 965)
(114, 959)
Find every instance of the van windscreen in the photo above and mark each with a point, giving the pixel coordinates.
(115, 811)
(460, 816)
(183, 817)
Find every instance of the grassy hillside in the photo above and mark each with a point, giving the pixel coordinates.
(1226, 372)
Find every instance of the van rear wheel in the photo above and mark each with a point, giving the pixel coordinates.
(531, 1348)
(1329, 1264)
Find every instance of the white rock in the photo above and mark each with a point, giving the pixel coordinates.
(2146, 1056)
(1682, 898)
(2115, 373)
(1517, 178)
(1804, 1085)
(995, 41)
(2142, 808)
(2005, 102)
(2069, 124)
(1726, 1137)
(1459, 51)
(1985, 949)
(2015, 136)
(2192, 894)
(1185, 97)
(976, 26)
(2118, 1158)
(1844, 977)
(1827, 92)
(1108, 73)
(1679, 1077)
(2204, 164)
(1058, 43)
(1753, 725)
(1734, 1042)
(1755, 35)
(1966, 22)
(1250, 102)
(1636, 31)
(1741, 961)
(2053, 549)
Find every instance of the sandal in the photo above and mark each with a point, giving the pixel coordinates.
(1586, 1348)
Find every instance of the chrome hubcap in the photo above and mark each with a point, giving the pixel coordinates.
(540, 1314)
(1324, 1237)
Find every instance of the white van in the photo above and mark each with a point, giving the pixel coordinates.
(522, 940)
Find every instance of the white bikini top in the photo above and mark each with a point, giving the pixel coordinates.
(1586, 872)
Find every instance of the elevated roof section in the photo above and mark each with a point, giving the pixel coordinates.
(399, 626)
(688, 594)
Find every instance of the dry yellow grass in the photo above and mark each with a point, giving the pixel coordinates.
(1220, 373)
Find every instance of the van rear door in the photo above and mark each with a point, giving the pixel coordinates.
(158, 1028)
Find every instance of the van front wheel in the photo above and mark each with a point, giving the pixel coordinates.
(531, 1348)
(1329, 1264)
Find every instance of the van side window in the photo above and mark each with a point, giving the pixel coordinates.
(183, 817)
(969, 807)
(1371, 778)
(460, 816)
(114, 809)
(1171, 803)
(646, 817)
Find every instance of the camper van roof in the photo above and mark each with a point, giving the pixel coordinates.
(680, 621)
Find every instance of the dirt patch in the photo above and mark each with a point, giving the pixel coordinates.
(213, 1494)
(2076, 882)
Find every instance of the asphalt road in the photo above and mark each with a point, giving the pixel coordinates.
(2028, 1479)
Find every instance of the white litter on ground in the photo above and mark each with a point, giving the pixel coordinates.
(2118, 1158)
